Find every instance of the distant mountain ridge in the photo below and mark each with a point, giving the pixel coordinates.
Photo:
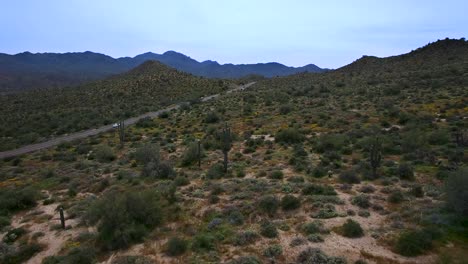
(27, 70)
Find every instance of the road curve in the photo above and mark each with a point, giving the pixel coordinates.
(94, 131)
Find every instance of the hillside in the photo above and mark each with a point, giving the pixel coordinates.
(31, 116)
(26, 70)
(365, 164)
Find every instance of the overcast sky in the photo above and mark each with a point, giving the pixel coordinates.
(328, 33)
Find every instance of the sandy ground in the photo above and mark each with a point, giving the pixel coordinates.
(53, 240)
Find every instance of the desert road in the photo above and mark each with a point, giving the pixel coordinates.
(94, 131)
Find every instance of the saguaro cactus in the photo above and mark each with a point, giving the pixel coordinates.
(122, 133)
(226, 138)
(375, 155)
(62, 217)
(199, 153)
(460, 136)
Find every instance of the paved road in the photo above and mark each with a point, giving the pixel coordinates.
(91, 132)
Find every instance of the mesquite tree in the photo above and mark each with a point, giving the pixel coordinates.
(226, 144)
(375, 155)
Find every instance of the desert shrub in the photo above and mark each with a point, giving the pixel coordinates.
(145, 123)
(367, 189)
(204, 242)
(245, 260)
(235, 217)
(190, 155)
(131, 260)
(317, 256)
(361, 200)
(414, 243)
(285, 109)
(405, 172)
(396, 197)
(290, 202)
(349, 176)
(176, 246)
(315, 189)
(4, 221)
(417, 191)
(147, 153)
(273, 251)
(125, 218)
(16, 255)
(331, 142)
(15, 199)
(269, 204)
(456, 187)
(211, 117)
(277, 175)
(313, 228)
(14, 234)
(181, 181)
(352, 229)
(216, 171)
(268, 229)
(164, 115)
(328, 211)
(245, 238)
(315, 238)
(79, 255)
(104, 153)
(158, 169)
(289, 135)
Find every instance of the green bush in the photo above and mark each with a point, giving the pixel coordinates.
(269, 204)
(405, 171)
(361, 200)
(289, 135)
(204, 242)
(211, 117)
(396, 197)
(147, 153)
(216, 171)
(176, 246)
(315, 255)
(79, 255)
(125, 218)
(456, 187)
(15, 199)
(349, 176)
(190, 155)
(104, 153)
(245, 238)
(290, 202)
(277, 175)
(352, 229)
(268, 229)
(245, 260)
(313, 228)
(315, 189)
(273, 251)
(20, 254)
(415, 242)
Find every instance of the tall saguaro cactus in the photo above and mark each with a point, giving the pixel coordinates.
(375, 155)
(461, 138)
(122, 133)
(226, 138)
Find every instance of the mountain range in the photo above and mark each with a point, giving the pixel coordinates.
(27, 70)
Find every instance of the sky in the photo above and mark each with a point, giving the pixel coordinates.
(328, 33)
